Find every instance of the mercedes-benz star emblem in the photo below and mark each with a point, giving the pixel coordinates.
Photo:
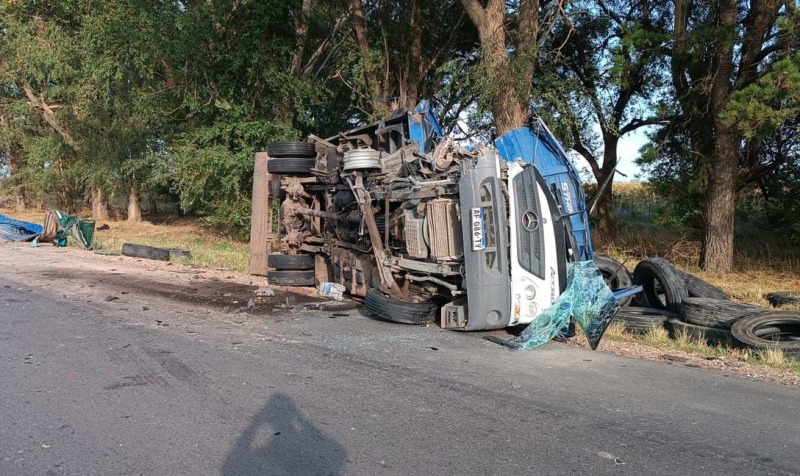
(530, 221)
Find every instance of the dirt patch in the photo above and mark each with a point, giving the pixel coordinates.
(104, 277)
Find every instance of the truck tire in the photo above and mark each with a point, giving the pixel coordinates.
(751, 331)
(291, 165)
(390, 309)
(615, 275)
(290, 262)
(716, 313)
(639, 320)
(782, 298)
(697, 287)
(662, 286)
(179, 253)
(291, 278)
(708, 334)
(144, 251)
(291, 149)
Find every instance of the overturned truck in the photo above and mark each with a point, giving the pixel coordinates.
(424, 229)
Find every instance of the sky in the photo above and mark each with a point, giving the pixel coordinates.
(627, 152)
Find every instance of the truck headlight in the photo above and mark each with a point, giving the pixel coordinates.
(530, 292)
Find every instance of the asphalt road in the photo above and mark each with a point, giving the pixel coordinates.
(94, 388)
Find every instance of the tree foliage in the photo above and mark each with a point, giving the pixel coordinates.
(122, 98)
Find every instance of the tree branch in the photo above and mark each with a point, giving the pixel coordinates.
(49, 115)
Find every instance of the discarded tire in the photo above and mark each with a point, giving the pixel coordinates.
(662, 286)
(770, 330)
(782, 298)
(708, 334)
(639, 320)
(716, 313)
(291, 278)
(290, 262)
(144, 251)
(697, 287)
(390, 309)
(179, 253)
(615, 275)
(290, 165)
(291, 149)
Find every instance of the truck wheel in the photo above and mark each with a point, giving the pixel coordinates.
(291, 149)
(290, 262)
(615, 275)
(752, 331)
(782, 298)
(390, 309)
(708, 334)
(291, 165)
(696, 287)
(716, 313)
(662, 287)
(147, 252)
(291, 278)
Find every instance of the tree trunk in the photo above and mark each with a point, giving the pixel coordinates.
(509, 90)
(720, 206)
(412, 73)
(99, 204)
(134, 206)
(374, 86)
(606, 226)
(286, 108)
(21, 202)
(717, 251)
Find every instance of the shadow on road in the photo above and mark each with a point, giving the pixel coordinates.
(280, 440)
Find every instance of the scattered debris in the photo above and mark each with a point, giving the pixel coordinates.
(332, 290)
(265, 291)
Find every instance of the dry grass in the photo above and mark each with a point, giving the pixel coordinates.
(658, 338)
(209, 247)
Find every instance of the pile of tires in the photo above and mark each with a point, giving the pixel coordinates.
(291, 270)
(688, 306)
(291, 158)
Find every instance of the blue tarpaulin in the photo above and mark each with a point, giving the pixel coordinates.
(16, 230)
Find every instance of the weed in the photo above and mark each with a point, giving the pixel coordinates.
(774, 357)
(657, 336)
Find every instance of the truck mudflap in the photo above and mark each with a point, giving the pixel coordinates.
(536, 145)
(488, 282)
(587, 299)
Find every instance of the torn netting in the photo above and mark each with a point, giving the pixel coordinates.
(587, 299)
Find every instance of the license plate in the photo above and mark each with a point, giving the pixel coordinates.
(476, 229)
